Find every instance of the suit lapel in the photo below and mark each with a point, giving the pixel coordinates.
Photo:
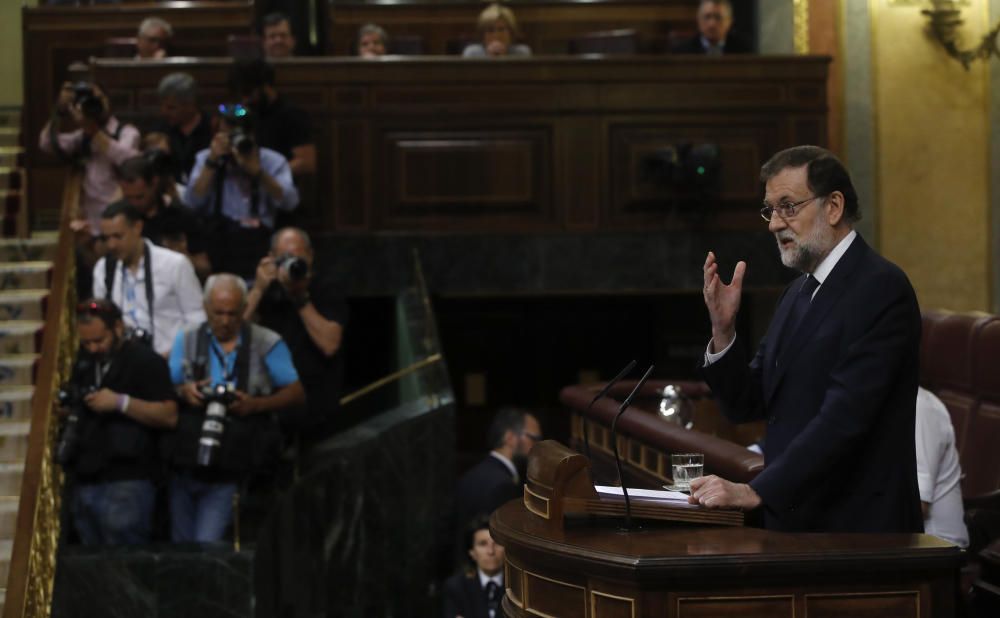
(828, 295)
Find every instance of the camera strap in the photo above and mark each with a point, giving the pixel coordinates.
(111, 269)
(241, 367)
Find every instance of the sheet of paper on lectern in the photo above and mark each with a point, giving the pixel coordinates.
(653, 494)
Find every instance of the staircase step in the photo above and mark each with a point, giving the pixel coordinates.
(10, 136)
(21, 336)
(11, 156)
(8, 521)
(14, 439)
(18, 370)
(23, 304)
(34, 249)
(15, 403)
(10, 479)
(6, 548)
(25, 275)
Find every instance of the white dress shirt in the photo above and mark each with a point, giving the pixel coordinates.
(509, 464)
(938, 471)
(177, 295)
(822, 271)
(496, 579)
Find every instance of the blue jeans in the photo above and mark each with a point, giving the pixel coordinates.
(114, 513)
(199, 511)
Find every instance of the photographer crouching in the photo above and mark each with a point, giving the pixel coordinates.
(119, 397)
(233, 379)
(302, 305)
(239, 187)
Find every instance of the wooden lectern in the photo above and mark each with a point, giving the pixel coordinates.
(563, 563)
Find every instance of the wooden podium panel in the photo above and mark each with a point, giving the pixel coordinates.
(681, 571)
(562, 565)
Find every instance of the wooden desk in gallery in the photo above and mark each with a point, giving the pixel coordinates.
(545, 144)
(583, 567)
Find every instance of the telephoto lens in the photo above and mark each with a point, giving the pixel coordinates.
(217, 398)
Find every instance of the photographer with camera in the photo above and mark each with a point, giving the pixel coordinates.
(233, 379)
(156, 288)
(119, 396)
(303, 306)
(83, 132)
(240, 187)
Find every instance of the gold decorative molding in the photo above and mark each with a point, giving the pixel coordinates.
(800, 25)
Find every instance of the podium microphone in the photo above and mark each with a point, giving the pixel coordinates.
(614, 443)
(604, 391)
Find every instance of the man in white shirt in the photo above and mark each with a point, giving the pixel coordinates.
(141, 275)
(939, 474)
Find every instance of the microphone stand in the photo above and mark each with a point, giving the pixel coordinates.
(604, 391)
(614, 438)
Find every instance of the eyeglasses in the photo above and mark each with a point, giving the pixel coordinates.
(785, 210)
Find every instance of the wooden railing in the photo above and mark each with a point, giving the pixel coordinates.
(33, 561)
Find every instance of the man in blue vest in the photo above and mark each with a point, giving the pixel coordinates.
(233, 379)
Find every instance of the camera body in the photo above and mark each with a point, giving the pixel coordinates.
(242, 141)
(72, 396)
(140, 335)
(218, 398)
(90, 104)
(296, 267)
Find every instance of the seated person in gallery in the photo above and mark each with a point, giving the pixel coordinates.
(152, 38)
(276, 36)
(714, 38)
(372, 41)
(498, 29)
(477, 592)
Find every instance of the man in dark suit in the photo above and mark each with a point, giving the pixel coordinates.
(498, 477)
(715, 20)
(836, 374)
(477, 593)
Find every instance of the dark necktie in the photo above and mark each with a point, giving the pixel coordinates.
(798, 310)
(493, 598)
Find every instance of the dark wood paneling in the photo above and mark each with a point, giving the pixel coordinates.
(864, 605)
(530, 145)
(745, 607)
(468, 177)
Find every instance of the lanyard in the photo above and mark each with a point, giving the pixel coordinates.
(228, 373)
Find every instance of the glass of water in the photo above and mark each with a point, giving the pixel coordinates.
(686, 466)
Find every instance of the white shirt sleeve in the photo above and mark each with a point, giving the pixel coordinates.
(930, 446)
(711, 357)
(189, 293)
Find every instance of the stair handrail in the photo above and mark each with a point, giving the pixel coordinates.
(33, 559)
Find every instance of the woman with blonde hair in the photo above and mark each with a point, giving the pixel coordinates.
(498, 29)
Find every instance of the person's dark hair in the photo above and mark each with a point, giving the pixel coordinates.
(506, 419)
(136, 168)
(246, 75)
(131, 213)
(824, 174)
(273, 19)
(480, 522)
(98, 308)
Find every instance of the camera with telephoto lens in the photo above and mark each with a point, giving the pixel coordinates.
(218, 398)
(90, 104)
(296, 267)
(72, 396)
